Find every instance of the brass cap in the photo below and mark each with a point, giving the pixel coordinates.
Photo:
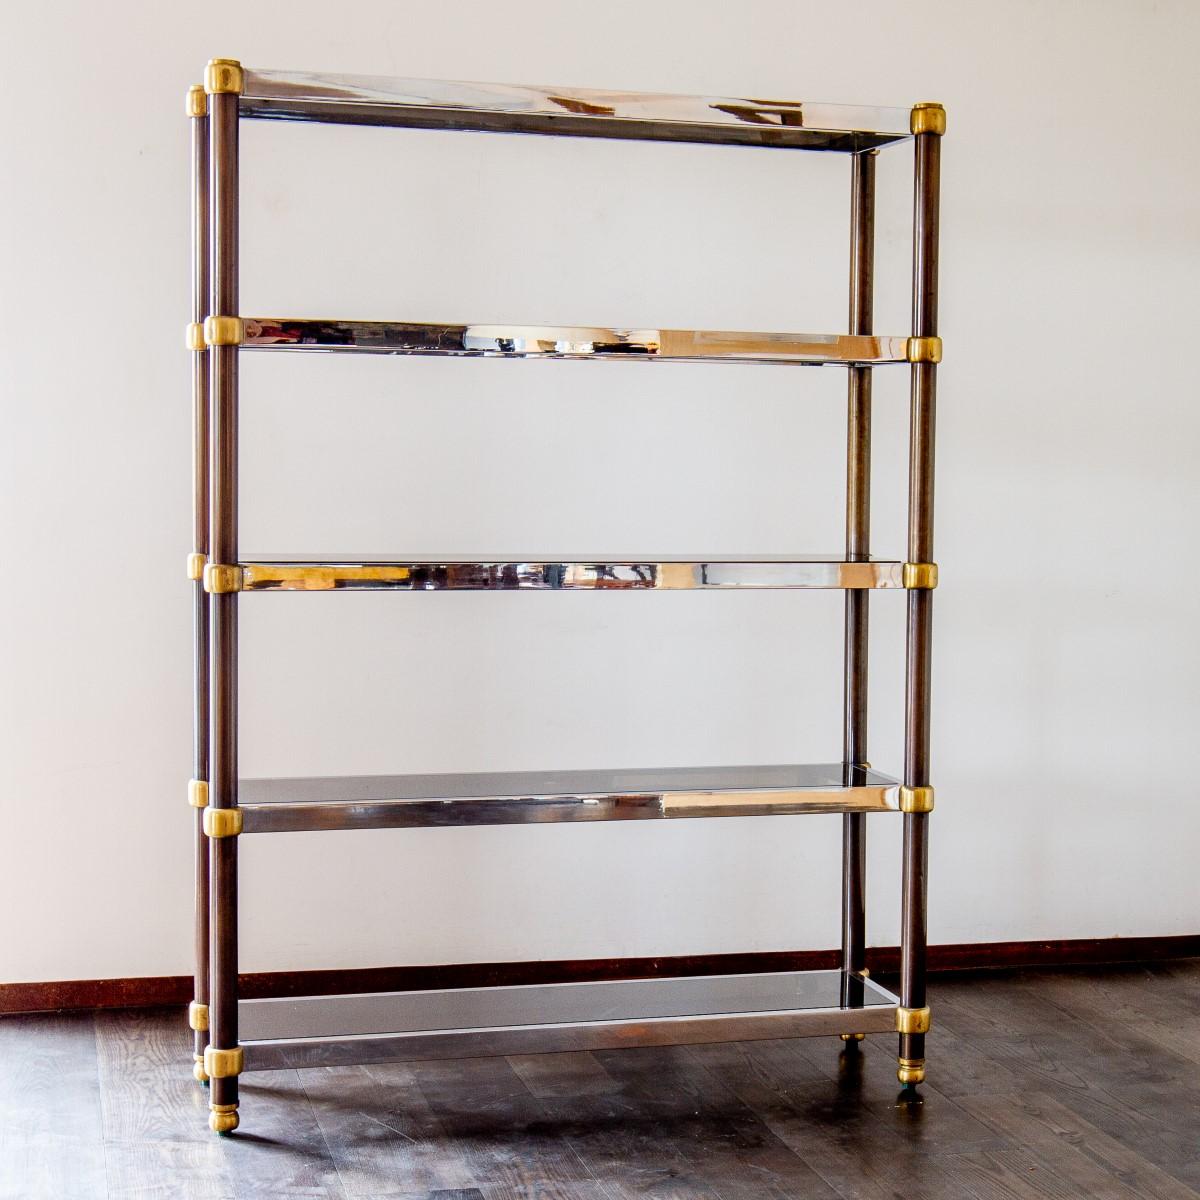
(222, 578)
(224, 75)
(223, 331)
(221, 1064)
(197, 101)
(916, 799)
(195, 565)
(911, 1071)
(919, 575)
(927, 117)
(912, 1020)
(223, 1118)
(923, 349)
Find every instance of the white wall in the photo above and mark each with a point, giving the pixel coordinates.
(1066, 652)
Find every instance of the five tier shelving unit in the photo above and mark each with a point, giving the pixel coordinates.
(233, 1036)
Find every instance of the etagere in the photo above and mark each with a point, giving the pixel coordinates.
(232, 1036)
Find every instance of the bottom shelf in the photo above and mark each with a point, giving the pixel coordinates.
(309, 1031)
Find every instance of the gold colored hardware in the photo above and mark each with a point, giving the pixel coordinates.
(223, 1118)
(920, 575)
(923, 349)
(198, 1072)
(224, 75)
(910, 1071)
(198, 1016)
(222, 822)
(195, 565)
(195, 336)
(853, 1037)
(912, 1020)
(220, 579)
(197, 793)
(221, 1064)
(229, 331)
(197, 101)
(916, 799)
(927, 117)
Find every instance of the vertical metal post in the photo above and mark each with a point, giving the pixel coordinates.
(858, 549)
(929, 123)
(223, 82)
(197, 109)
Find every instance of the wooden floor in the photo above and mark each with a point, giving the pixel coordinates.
(1042, 1084)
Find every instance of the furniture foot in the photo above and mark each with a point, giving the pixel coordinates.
(223, 1118)
(911, 1071)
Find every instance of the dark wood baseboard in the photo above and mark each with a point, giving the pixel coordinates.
(883, 960)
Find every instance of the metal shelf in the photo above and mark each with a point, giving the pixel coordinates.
(571, 341)
(569, 112)
(503, 575)
(309, 1031)
(521, 797)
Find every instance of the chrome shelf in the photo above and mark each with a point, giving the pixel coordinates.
(572, 342)
(503, 575)
(522, 797)
(310, 1031)
(569, 112)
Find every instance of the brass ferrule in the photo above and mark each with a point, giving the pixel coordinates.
(220, 579)
(198, 1072)
(221, 1064)
(912, 1020)
(194, 338)
(920, 575)
(222, 823)
(224, 75)
(927, 117)
(195, 565)
(223, 1118)
(923, 350)
(910, 1071)
(198, 793)
(916, 799)
(198, 1016)
(197, 101)
(226, 331)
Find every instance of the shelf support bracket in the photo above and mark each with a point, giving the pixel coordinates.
(222, 823)
(220, 578)
(916, 799)
(923, 350)
(198, 793)
(195, 565)
(227, 331)
(194, 338)
(224, 75)
(912, 1020)
(920, 575)
(198, 1016)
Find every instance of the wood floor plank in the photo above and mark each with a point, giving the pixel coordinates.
(1077, 1150)
(382, 1134)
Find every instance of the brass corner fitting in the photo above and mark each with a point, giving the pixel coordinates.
(927, 117)
(923, 350)
(224, 75)
(220, 579)
(198, 1016)
(910, 1071)
(224, 331)
(223, 1064)
(197, 796)
(222, 823)
(197, 101)
(195, 565)
(194, 338)
(223, 1118)
(917, 576)
(912, 1020)
(916, 799)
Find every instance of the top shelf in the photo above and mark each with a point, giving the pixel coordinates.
(569, 112)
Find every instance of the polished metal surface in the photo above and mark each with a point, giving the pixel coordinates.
(568, 341)
(520, 797)
(296, 575)
(467, 1022)
(570, 112)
